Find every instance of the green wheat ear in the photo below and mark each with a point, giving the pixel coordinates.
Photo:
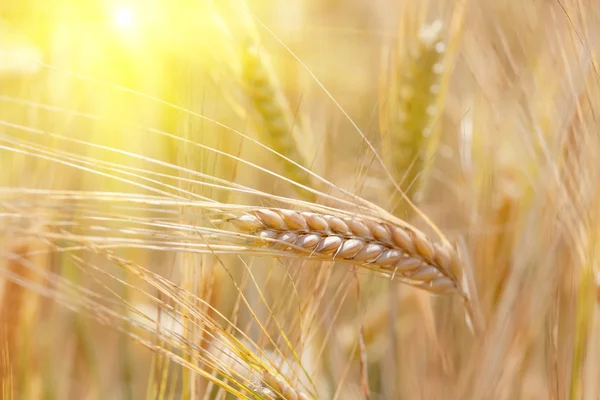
(280, 129)
(418, 77)
(278, 126)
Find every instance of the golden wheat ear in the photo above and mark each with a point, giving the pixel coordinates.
(401, 252)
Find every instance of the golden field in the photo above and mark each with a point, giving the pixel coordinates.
(300, 199)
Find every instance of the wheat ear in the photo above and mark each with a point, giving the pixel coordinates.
(280, 128)
(264, 381)
(402, 252)
(418, 85)
(280, 390)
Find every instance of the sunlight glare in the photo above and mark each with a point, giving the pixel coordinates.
(123, 17)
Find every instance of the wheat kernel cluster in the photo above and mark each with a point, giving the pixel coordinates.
(401, 252)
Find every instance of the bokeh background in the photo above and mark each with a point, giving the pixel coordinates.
(105, 102)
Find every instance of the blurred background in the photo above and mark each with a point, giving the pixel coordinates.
(115, 115)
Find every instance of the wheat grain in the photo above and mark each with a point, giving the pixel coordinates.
(402, 252)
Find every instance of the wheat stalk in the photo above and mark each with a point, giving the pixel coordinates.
(402, 252)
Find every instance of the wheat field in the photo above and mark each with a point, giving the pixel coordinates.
(299, 199)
